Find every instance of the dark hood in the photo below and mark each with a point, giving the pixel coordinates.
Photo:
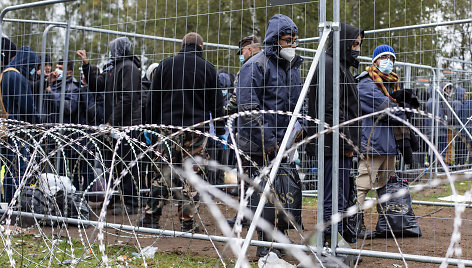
(25, 60)
(120, 47)
(348, 35)
(192, 48)
(278, 26)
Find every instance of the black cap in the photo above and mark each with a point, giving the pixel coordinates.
(8, 50)
(247, 41)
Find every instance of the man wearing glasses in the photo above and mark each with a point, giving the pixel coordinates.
(378, 141)
(269, 80)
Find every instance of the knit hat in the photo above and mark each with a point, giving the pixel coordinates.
(382, 50)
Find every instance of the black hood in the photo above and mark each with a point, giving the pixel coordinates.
(348, 35)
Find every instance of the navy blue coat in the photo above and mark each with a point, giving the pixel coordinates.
(464, 114)
(268, 82)
(16, 90)
(382, 141)
(52, 102)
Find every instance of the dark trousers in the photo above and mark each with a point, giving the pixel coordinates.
(15, 167)
(344, 185)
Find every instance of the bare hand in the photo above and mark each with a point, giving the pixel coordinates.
(53, 77)
(83, 55)
(349, 154)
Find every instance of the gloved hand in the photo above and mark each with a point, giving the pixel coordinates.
(148, 138)
(223, 137)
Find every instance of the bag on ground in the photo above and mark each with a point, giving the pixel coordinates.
(397, 212)
(287, 188)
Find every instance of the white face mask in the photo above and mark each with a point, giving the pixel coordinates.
(59, 72)
(386, 66)
(287, 53)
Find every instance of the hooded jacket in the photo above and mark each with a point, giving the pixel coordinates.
(349, 97)
(443, 112)
(268, 82)
(121, 87)
(16, 90)
(184, 91)
(52, 102)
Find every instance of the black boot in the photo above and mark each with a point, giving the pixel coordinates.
(189, 226)
(263, 251)
(244, 222)
(362, 232)
(149, 221)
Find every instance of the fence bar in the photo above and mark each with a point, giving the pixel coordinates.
(409, 27)
(281, 151)
(217, 238)
(335, 153)
(23, 6)
(43, 65)
(321, 117)
(144, 36)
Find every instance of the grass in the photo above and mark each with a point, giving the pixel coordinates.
(30, 250)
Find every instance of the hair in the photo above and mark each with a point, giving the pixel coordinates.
(70, 65)
(192, 38)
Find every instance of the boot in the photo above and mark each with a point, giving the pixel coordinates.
(263, 251)
(244, 222)
(362, 231)
(149, 221)
(189, 226)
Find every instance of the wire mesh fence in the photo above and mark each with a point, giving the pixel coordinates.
(200, 130)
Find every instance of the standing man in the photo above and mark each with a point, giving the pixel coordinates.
(19, 105)
(248, 47)
(350, 46)
(121, 84)
(269, 81)
(378, 141)
(184, 91)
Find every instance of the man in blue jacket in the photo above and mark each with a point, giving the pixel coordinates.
(378, 142)
(269, 80)
(19, 104)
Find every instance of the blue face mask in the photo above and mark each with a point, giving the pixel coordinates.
(386, 66)
(241, 58)
(224, 92)
(355, 53)
(32, 71)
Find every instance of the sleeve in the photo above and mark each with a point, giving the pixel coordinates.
(71, 99)
(215, 99)
(130, 77)
(249, 93)
(373, 100)
(95, 80)
(23, 97)
(153, 111)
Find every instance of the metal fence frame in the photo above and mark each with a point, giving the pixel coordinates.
(335, 26)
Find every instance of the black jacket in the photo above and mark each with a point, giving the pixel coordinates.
(349, 96)
(122, 90)
(185, 91)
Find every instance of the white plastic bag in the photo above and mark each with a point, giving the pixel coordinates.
(271, 260)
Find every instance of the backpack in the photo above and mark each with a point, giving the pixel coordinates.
(3, 112)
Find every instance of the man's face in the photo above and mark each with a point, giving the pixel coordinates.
(288, 40)
(356, 45)
(448, 90)
(250, 49)
(59, 66)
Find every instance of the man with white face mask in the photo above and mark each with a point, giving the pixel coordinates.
(375, 87)
(269, 80)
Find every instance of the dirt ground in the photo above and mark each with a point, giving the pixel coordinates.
(436, 225)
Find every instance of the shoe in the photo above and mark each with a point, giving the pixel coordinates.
(118, 210)
(149, 221)
(244, 222)
(363, 233)
(189, 226)
(263, 251)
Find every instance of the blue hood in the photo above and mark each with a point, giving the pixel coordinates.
(278, 26)
(25, 60)
(460, 94)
